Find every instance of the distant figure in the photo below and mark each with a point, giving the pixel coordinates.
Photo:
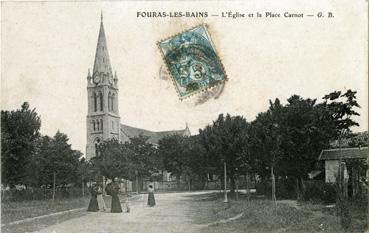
(115, 202)
(127, 204)
(93, 206)
(100, 199)
(151, 199)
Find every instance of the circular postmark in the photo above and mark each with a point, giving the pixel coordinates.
(202, 97)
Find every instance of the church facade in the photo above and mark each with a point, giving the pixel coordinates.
(103, 118)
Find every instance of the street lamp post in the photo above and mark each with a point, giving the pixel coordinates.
(225, 183)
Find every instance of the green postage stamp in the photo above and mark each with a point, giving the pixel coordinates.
(192, 61)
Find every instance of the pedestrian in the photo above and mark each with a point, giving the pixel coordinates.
(151, 198)
(115, 202)
(93, 205)
(100, 198)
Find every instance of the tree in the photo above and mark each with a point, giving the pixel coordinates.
(305, 135)
(126, 160)
(19, 136)
(112, 160)
(268, 134)
(58, 160)
(144, 159)
(340, 108)
(171, 151)
(226, 141)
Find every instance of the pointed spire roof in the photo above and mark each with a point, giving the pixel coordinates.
(102, 60)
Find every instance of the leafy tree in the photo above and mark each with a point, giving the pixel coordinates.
(58, 160)
(268, 129)
(195, 162)
(171, 151)
(144, 159)
(340, 109)
(19, 136)
(305, 135)
(226, 141)
(126, 160)
(358, 139)
(112, 160)
(184, 158)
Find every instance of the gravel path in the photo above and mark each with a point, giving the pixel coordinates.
(171, 214)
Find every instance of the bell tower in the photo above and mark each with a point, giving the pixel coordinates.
(103, 120)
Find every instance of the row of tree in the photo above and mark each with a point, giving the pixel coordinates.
(31, 159)
(284, 140)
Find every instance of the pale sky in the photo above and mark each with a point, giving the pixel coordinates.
(47, 48)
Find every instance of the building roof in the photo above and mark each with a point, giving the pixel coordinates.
(102, 61)
(154, 137)
(347, 153)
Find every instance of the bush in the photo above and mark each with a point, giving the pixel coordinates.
(40, 194)
(319, 191)
(284, 189)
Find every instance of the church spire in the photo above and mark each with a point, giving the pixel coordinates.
(102, 60)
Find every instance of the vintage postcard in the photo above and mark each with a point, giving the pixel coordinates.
(184, 116)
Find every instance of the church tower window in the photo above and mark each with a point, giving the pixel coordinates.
(95, 102)
(109, 102)
(101, 124)
(101, 101)
(112, 102)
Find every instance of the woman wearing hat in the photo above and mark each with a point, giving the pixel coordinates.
(93, 206)
(115, 202)
(100, 199)
(151, 199)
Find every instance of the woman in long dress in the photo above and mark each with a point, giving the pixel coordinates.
(93, 206)
(100, 199)
(115, 202)
(151, 199)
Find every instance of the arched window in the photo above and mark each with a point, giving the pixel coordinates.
(101, 101)
(109, 102)
(101, 124)
(95, 101)
(112, 102)
(97, 125)
(94, 125)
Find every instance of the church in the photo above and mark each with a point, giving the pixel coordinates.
(103, 119)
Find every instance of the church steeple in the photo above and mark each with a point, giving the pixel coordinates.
(102, 60)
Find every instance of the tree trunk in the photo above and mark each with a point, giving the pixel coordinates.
(178, 178)
(54, 180)
(232, 183)
(83, 188)
(248, 193)
(137, 185)
(298, 191)
(237, 190)
(274, 199)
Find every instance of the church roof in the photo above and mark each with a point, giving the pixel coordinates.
(154, 137)
(102, 61)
